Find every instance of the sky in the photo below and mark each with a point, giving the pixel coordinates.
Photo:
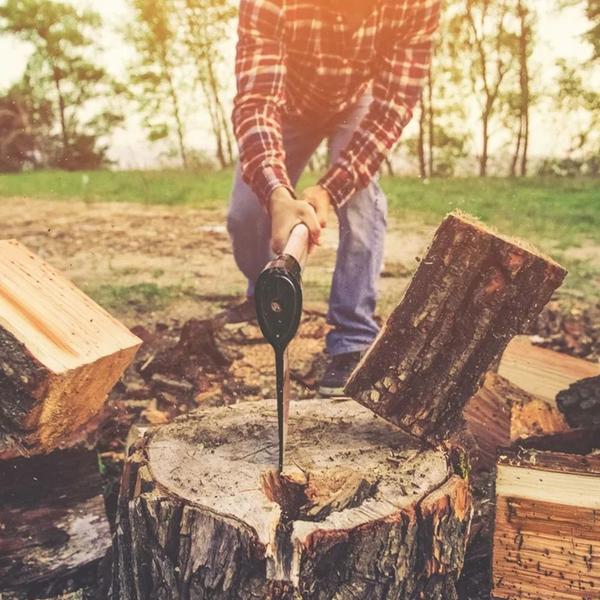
(560, 36)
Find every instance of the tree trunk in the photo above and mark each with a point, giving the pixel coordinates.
(53, 524)
(60, 354)
(61, 112)
(176, 115)
(524, 83)
(547, 532)
(421, 140)
(361, 512)
(430, 122)
(473, 292)
(485, 138)
(517, 152)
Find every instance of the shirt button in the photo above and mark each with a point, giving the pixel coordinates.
(339, 18)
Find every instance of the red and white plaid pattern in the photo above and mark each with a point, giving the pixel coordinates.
(301, 58)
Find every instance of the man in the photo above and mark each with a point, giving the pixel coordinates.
(346, 70)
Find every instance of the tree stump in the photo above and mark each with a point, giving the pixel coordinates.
(362, 511)
(60, 354)
(472, 293)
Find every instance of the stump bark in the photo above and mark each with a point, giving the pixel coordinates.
(473, 292)
(53, 526)
(362, 511)
(60, 354)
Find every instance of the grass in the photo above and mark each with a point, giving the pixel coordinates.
(141, 296)
(565, 210)
(556, 214)
(202, 189)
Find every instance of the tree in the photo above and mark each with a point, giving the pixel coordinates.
(593, 34)
(204, 24)
(62, 38)
(17, 144)
(524, 97)
(442, 138)
(480, 32)
(581, 101)
(153, 77)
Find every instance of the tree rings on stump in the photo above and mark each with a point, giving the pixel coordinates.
(362, 511)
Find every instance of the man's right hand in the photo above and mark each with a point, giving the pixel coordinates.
(286, 212)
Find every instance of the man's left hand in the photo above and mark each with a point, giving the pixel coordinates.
(318, 197)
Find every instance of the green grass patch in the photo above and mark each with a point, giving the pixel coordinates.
(562, 210)
(140, 296)
(553, 213)
(200, 189)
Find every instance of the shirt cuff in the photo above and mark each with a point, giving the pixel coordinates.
(339, 183)
(268, 178)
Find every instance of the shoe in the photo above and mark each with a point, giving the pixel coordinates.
(240, 313)
(338, 370)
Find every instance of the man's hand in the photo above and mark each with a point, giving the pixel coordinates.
(318, 197)
(286, 212)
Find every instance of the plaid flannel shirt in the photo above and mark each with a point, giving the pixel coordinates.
(302, 59)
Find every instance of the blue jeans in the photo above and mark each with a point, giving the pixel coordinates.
(362, 225)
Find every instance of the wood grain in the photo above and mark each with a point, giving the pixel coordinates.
(60, 354)
(363, 511)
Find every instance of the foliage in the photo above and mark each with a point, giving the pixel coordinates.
(154, 85)
(593, 34)
(578, 99)
(61, 69)
(25, 122)
(204, 24)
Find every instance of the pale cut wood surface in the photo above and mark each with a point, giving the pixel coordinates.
(547, 532)
(540, 371)
(60, 354)
(342, 522)
(473, 291)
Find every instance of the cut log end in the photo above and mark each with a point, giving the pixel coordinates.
(357, 497)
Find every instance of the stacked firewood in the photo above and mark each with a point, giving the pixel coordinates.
(547, 482)
(60, 354)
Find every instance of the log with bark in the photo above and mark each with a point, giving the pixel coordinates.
(60, 354)
(547, 531)
(472, 293)
(362, 511)
(53, 527)
(580, 402)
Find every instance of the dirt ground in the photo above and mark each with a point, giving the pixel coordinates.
(157, 268)
(185, 252)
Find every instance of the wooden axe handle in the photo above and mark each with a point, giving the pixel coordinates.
(298, 243)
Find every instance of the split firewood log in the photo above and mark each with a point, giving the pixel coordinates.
(53, 527)
(362, 510)
(547, 531)
(543, 372)
(472, 293)
(60, 354)
(580, 402)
